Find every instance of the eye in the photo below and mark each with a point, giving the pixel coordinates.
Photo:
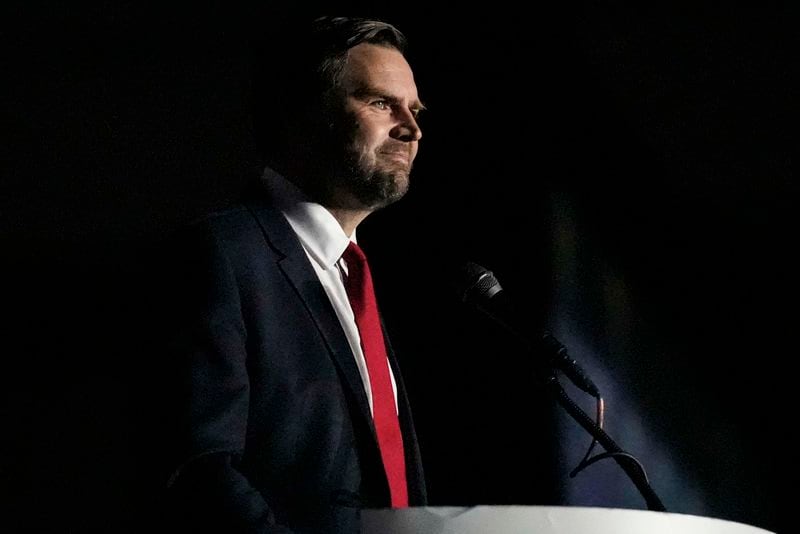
(380, 104)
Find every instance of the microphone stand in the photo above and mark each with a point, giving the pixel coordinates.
(481, 288)
(628, 465)
(560, 360)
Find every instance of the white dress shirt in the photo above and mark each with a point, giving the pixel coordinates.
(324, 242)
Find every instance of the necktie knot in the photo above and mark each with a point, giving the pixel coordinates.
(353, 254)
(358, 282)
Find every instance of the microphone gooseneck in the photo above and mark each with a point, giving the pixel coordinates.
(480, 288)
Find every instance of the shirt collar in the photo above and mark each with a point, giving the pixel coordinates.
(318, 230)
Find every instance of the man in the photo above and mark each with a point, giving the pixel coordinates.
(293, 411)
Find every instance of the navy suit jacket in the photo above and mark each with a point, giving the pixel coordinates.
(273, 428)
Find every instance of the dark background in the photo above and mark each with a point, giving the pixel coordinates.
(629, 176)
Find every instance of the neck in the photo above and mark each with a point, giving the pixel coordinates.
(318, 187)
(348, 219)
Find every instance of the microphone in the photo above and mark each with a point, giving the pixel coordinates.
(478, 287)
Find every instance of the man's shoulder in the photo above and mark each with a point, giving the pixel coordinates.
(230, 216)
(233, 220)
(241, 228)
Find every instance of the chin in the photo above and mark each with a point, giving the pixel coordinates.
(385, 188)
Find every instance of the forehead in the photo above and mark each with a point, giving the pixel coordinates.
(381, 68)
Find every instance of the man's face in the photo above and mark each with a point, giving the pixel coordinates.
(378, 126)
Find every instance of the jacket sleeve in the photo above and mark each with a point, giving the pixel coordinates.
(209, 403)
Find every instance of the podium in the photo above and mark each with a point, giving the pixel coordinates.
(542, 520)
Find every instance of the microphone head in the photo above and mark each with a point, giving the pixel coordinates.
(476, 284)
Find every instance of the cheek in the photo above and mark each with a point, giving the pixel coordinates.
(374, 136)
(370, 132)
(368, 144)
(361, 142)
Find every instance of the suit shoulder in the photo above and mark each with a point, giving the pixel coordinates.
(232, 217)
(227, 224)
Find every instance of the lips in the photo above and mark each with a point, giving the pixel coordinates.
(398, 155)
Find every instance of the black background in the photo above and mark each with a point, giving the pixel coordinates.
(628, 175)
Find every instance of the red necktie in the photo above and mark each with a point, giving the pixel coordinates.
(358, 284)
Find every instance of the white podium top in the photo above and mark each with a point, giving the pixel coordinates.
(542, 520)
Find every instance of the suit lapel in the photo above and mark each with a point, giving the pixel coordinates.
(298, 271)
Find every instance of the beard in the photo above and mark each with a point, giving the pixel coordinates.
(375, 178)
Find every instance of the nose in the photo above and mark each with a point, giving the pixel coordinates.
(406, 128)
